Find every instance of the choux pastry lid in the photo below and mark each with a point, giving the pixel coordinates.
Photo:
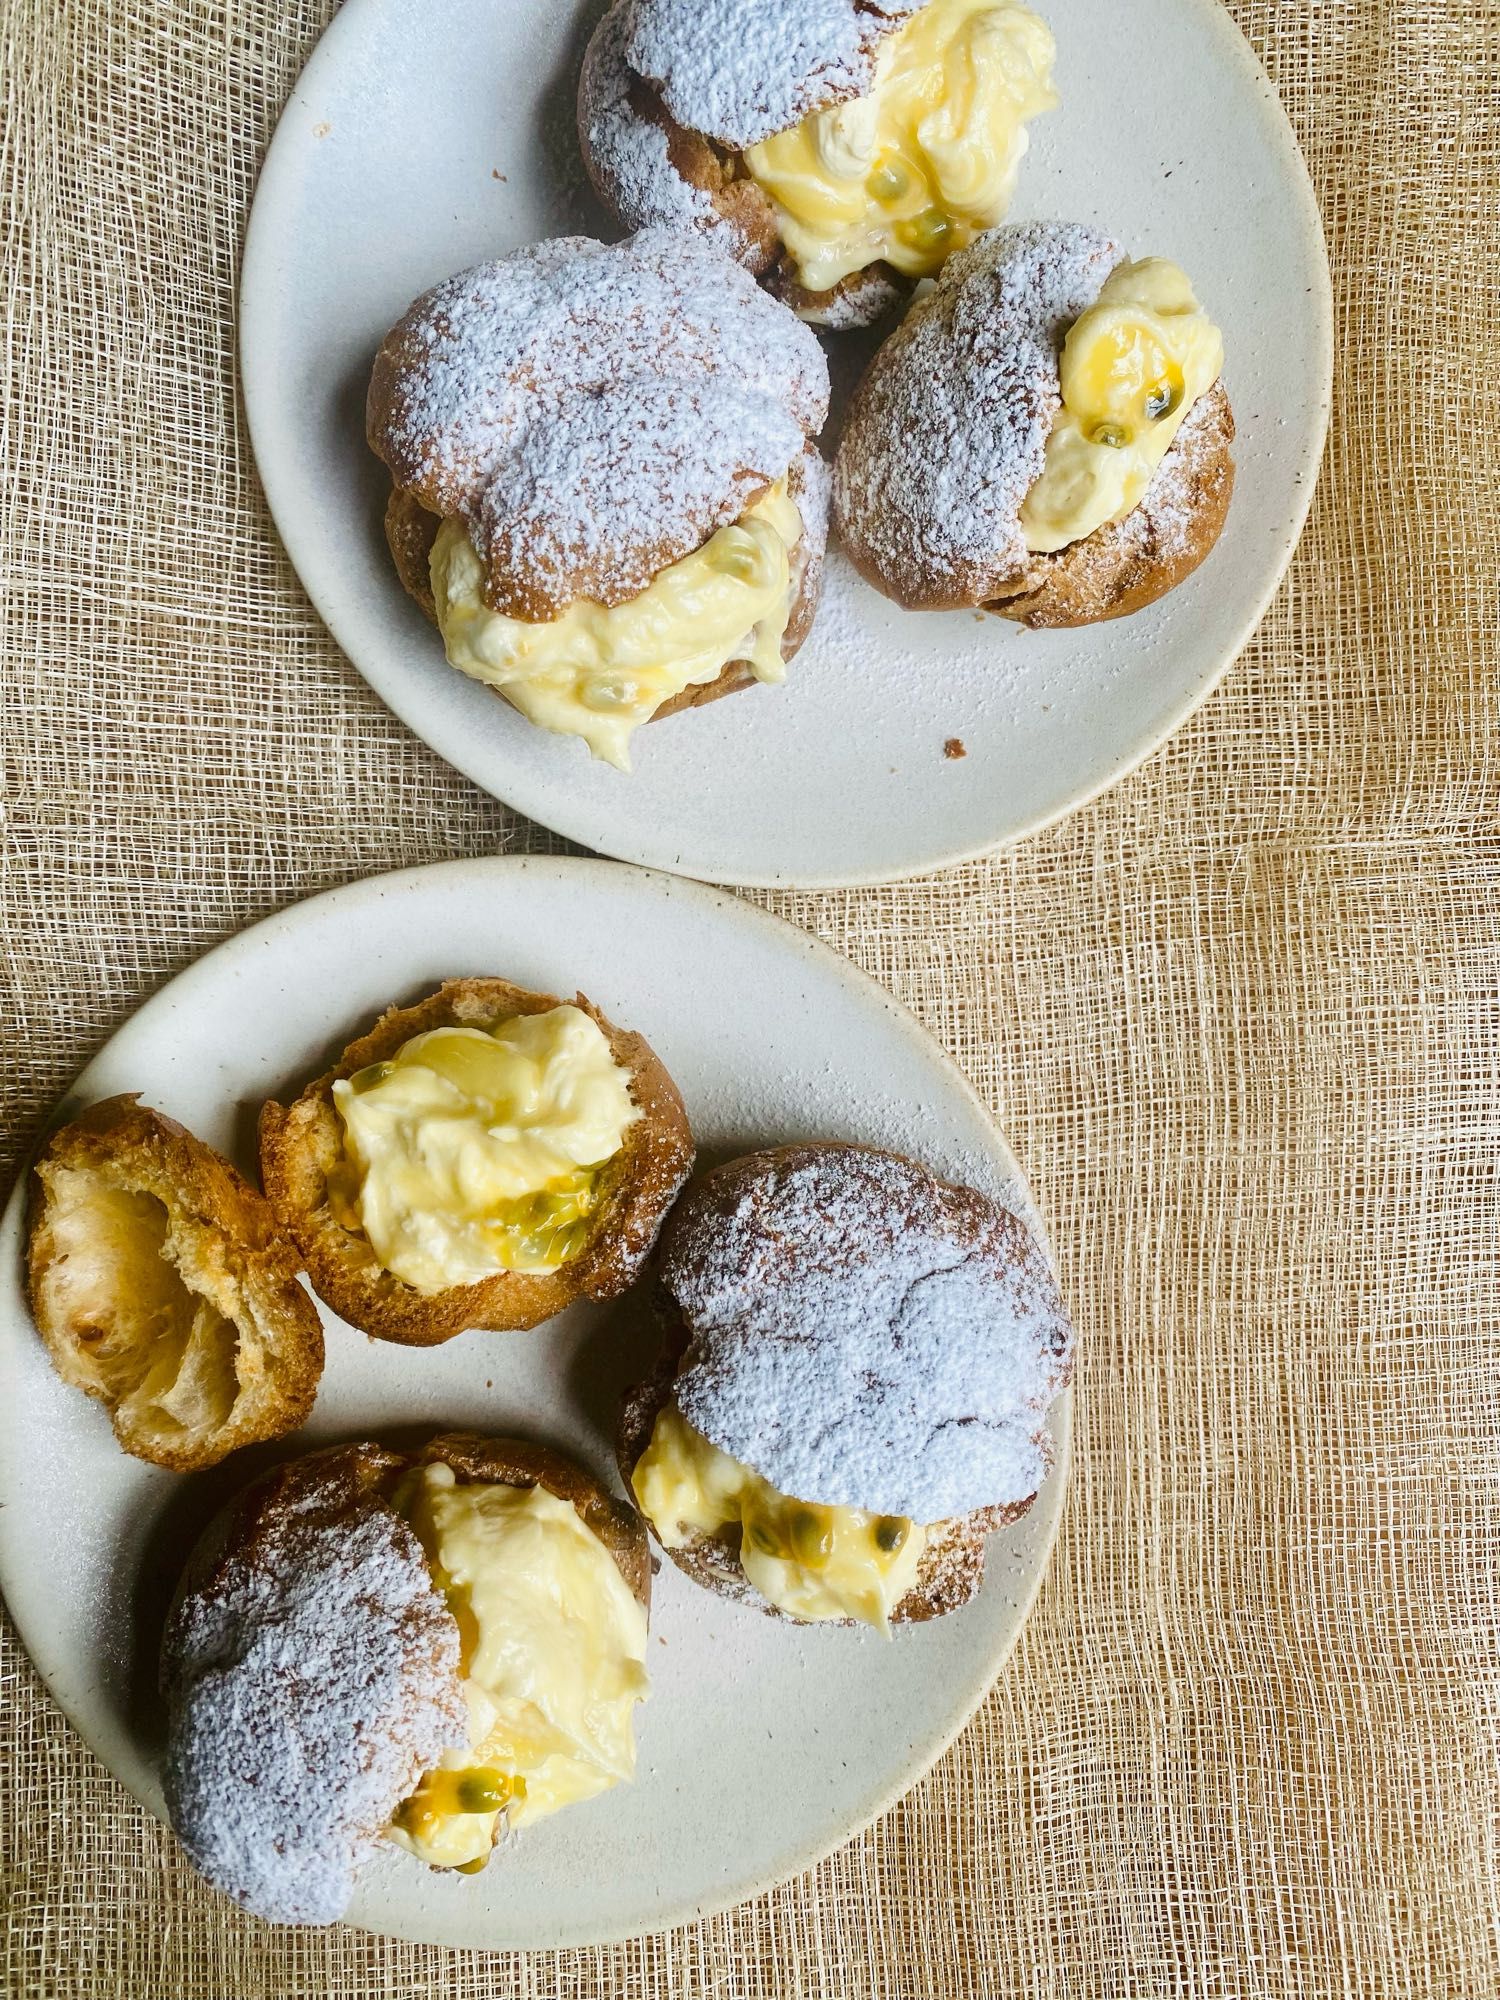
(740, 70)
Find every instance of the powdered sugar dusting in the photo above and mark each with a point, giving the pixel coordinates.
(589, 410)
(948, 431)
(311, 1687)
(864, 1335)
(647, 189)
(739, 70)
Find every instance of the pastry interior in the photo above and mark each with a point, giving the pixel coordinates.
(162, 1289)
(599, 672)
(925, 160)
(476, 1150)
(552, 1650)
(811, 1561)
(1131, 368)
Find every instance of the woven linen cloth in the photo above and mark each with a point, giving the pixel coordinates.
(1241, 1019)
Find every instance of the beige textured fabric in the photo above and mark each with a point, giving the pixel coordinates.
(1240, 1019)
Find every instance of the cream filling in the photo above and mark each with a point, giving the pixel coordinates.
(1132, 368)
(478, 1150)
(553, 1652)
(599, 672)
(812, 1562)
(917, 168)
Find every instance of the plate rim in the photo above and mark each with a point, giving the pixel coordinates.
(277, 484)
(1052, 1495)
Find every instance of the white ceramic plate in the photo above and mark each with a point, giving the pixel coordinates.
(763, 1745)
(427, 135)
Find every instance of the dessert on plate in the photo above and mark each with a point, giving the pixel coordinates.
(429, 1649)
(604, 488)
(857, 1364)
(480, 1159)
(163, 1287)
(843, 150)
(1045, 435)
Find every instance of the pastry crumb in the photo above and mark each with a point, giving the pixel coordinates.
(954, 747)
(322, 131)
(496, 175)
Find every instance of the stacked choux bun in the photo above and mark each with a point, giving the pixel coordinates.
(328, 1686)
(604, 487)
(840, 152)
(857, 1361)
(1045, 435)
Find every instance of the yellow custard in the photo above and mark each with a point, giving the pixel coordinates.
(600, 673)
(553, 1650)
(917, 168)
(477, 1150)
(1132, 367)
(812, 1562)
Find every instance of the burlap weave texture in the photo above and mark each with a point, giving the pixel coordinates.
(1241, 1020)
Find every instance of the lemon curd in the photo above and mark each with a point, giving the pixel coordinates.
(552, 1650)
(1132, 367)
(917, 168)
(811, 1562)
(599, 672)
(478, 1150)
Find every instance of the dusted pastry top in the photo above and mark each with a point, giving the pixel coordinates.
(476, 1150)
(592, 413)
(864, 1335)
(739, 70)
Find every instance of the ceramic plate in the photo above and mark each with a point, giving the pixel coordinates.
(427, 135)
(763, 1744)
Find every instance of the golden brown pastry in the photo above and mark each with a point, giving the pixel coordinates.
(1044, 436)
(481, 1159)
(840, 151)
(605, 492)
(163, 1288)
(858, 1360)
(431, 1648)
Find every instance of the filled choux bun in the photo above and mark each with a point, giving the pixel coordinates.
(344, 1662)
(856, 1368)
(480, 1159)
(163, 1287)
(1045, 435)
(840, 151)
(604, 487)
